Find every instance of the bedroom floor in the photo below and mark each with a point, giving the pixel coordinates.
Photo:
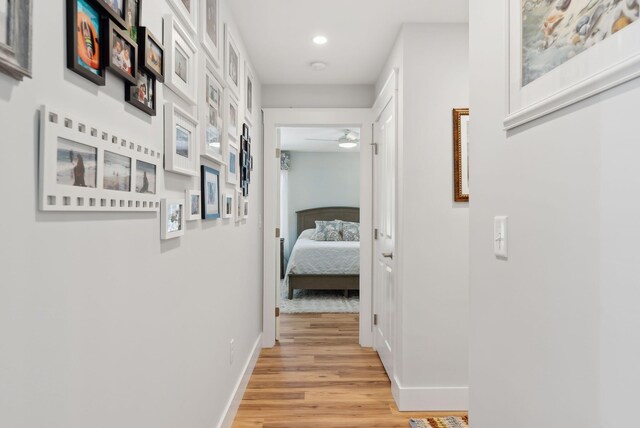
(319, 376)
(318, 301)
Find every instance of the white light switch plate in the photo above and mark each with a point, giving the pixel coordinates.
(500, 236)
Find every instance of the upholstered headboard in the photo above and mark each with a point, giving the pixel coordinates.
(307, 218)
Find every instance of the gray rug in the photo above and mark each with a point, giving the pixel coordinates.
(318, 301)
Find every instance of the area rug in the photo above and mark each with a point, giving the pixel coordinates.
(318, 301)
(448, 422)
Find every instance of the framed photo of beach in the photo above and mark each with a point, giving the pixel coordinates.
(85, 40)
(561, 52)
(180, 141)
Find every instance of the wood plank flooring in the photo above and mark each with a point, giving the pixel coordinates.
(318, 376)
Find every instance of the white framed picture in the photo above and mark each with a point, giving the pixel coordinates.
(233, 117)
(249, 93)
(212, 115)
(564, 52)
(210, 186)
(187, 11)
(245, 208)
(194, 208)
(210, 29)
(172, 218)
(180, 141)
(181, 60)
(239, 206)
(232, 62)
(232, 164)
(227, 205)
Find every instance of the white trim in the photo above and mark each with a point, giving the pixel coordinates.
(430, 399)
(241, 386)
(338, 117)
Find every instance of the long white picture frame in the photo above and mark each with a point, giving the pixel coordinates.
(181, 60)
(212, 98)
(249, 93)
(181, 157)
(210, 15)
(606, 64)
(232, 63)
(188, 17)
(69, 182)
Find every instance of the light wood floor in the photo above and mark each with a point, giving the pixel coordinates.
(319, 376)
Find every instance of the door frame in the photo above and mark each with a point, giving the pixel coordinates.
(275, 118)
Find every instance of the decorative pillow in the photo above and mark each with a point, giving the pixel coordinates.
(350, 231)
(328, 231)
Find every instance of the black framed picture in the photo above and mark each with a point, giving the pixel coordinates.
(132, 9)
(116, 11)
(143, 94)
(151, 53)
(121, 55)
(85, 40)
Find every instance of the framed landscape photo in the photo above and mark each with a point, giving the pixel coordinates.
(180, 60)
(227, 205)
(566, 51)
(461, 154)
(232, 164)
(151, 53)
(232, 63)
(121, 57)
(116, 11)
(212, 118)
(249, 94)
(210, 29)
(172, 218)
(146, 177)
(143, 94)
(85, 40)
(187, 12)
(180, 141)
(194, 207)
(15, 38)
(210, 182)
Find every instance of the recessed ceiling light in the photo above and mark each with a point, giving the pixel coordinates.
(318, 65)
(348, 145)
(320, 40)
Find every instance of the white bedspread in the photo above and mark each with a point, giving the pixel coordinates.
(324, 257)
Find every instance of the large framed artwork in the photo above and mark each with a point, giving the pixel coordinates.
(85, 36)
(461, 154)
(181, 60)
(15, 38)
(172, 218)
(562, 52)
(210, 29)
(232, 63)
(90, 168)
(180, 141)
(187, 11)
(122, 56)
(210, 182)
(211, 115)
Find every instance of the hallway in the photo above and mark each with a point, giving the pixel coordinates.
(319, 376)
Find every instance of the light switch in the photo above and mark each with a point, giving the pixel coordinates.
(500, 236)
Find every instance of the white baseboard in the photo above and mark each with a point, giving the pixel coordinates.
(234, 403)
(430, 399)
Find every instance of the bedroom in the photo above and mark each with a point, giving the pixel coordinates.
(319, 188)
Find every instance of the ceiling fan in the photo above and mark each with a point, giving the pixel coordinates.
(349, 140)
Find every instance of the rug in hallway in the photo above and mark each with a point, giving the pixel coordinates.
(318, 301)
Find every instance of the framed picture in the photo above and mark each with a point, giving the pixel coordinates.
(249, 94)
(151, 53)
(210, 29)
(461, 154)
(232, 73)
(121, 57)
(227, 205)
(232, 117)
(210, 181)
(143, 94)
(187, 11)
(116, 11)
(239, 206)
(194, 210)
(84, 167)
(172, 218)
(564, 52)
(181, 60)
(180, 141)
(85, 35)
(132, 17)
(245, 208)
(212, 114)
(15, 37)
(232, 164)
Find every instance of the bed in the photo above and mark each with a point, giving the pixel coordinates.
(324, 265)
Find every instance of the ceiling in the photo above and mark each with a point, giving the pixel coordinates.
(278, 35)
(296, 139)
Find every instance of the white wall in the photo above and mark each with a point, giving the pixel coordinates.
(432, 243)
(101, 324)
(317, 96)
(321, 180)
(554, 330)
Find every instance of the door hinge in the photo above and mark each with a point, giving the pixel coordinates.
(278, 153)
(376, 233)
(277, 232)
(277, 312)
(375, 148)
(375, 319)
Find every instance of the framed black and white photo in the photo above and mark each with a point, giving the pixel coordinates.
(143, 94)
(232, 63)
(187, 12)
(181, 60)
(172, 218)
(227, 205)
(115, 10)
(211, 116)
(86, 35)
(210, 29)
(248, 94)
(15, 38)
(210, 189)
(181, 141)
(121, 57)
(151, 53)
(194, 205)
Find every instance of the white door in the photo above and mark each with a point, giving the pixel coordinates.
(384, 220)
